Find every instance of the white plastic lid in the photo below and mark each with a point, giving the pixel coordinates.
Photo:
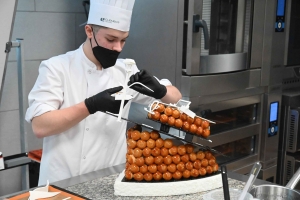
(219, 195)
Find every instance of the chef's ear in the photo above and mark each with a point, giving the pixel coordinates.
(88, 31)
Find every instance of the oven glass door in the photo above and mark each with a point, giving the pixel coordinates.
(236, 150)
(231, 118)
(216, 36)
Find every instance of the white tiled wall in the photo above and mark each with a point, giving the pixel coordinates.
(48, 28)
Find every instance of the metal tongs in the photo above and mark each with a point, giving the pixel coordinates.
(128, 67)
(253, 174)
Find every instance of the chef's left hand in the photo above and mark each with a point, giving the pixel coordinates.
(147, 79)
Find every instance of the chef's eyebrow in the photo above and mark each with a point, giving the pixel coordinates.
(116, 37)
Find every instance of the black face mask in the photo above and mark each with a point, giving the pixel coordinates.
(106, 57)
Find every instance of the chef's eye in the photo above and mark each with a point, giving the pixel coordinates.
(110, 40)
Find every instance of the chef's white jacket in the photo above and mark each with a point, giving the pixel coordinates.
(96, 142)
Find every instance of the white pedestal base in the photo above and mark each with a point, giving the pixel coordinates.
(166, 188)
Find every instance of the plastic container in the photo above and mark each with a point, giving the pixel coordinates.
(219, 195)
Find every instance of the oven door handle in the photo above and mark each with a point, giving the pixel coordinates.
(197, 23)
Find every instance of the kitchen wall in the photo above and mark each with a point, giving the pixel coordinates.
(48, 28)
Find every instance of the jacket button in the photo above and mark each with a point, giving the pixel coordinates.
(87, 129)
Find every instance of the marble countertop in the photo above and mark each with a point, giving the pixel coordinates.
(100, 185)
(103, 188)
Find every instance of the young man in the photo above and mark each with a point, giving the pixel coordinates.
(72, 88)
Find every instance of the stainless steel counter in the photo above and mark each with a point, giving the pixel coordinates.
(99, 185)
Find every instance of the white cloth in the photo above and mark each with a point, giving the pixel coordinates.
(96, 142)
(41, 192)
(115, 14)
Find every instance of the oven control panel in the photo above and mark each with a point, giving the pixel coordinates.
(280, 22)
(273, 119)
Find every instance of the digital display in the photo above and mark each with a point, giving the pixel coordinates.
(280, 8)
(273, 111)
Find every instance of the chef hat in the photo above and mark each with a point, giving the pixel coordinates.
(114, 14)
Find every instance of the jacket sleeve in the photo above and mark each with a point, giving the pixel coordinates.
(47, 93)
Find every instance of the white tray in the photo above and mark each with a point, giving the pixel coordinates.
(166, 188)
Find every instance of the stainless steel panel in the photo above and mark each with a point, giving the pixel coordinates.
(273, 48)
(291, 164)
(268, 174)
(193, 39)
(291, 78)
(275, 76)
(257, 32)
(223, 63)
(290, 100)
(291, 97)
(293, 137)
(269, 145)
(195, 86)
(269, 163)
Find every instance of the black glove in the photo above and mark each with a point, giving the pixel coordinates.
(147, 79)
(103, 101)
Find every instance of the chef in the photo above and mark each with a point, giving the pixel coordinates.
(73, 90)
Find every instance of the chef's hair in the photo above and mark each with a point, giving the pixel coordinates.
(96, 28)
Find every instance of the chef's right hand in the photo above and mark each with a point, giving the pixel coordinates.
(103, 101)
(144, 77)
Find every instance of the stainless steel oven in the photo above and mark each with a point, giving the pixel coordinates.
(293, 33)
(237, 129)
(288, 149)
(226, 58)
(222, 45)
